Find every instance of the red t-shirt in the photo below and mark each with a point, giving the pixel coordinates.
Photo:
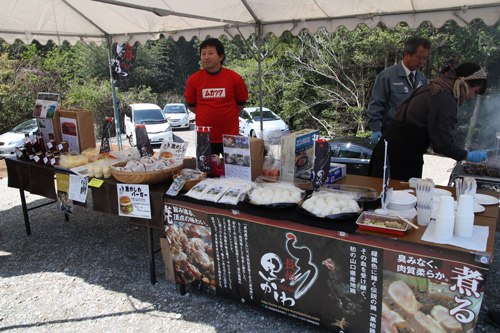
(216, 97)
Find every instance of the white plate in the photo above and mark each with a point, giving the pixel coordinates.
(402, 198)
(439, 192)
(484, 199)
(478, 208)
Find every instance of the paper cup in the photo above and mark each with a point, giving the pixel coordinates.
(424, 216)
(444, 227)
(446, 207)
(464, 218)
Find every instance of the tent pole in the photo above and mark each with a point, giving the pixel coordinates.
(113, 90)
(259, 62)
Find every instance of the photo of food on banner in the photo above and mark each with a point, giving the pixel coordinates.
(105, 147)
(143, 143)
(203, 150)
(322, 155)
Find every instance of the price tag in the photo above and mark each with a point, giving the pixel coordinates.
(96, 182)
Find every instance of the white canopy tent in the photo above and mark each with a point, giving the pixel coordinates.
(113, 21)
(141, 20)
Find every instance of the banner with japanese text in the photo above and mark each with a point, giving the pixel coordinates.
(352, 284)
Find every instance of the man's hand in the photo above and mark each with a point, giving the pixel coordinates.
(375, 137)
(476, 156)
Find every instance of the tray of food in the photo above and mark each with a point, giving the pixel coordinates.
(330, 206)
(382, 223)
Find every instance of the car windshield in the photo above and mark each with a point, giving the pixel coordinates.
(266, 115)
(174, 109)
(151, 115)
(25, 127)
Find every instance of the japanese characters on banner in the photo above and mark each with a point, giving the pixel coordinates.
(134, 200)
(123, 61)
(237, 156)
(330, 282)
(203, 150)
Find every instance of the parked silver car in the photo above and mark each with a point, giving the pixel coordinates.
(150, 115)
(177, 115)
(15, 137)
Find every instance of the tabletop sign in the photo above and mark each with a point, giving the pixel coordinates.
(96, 182)
(134, 200)
(78, 188)
(237, 156)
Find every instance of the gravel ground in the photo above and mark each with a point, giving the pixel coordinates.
(91, 274)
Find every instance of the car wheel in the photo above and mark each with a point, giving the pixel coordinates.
(131, 140)
(253, 134)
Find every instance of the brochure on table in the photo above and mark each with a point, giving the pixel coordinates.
(237, 161)
(134, 200)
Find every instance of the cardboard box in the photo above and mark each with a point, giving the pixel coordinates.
(297, 152)
(257, 157)
(167, 260)
(336, 172)
(76, 127)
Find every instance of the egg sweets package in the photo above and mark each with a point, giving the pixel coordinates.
(200, 189)
(236, 192)
(215, 192)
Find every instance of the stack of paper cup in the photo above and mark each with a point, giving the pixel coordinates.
(445, 219)
(464, 218)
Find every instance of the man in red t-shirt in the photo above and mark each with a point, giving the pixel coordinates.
(216, 94)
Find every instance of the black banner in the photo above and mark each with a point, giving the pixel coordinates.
(105, 146)
(123, 61)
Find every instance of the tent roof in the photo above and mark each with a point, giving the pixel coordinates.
(141, 20)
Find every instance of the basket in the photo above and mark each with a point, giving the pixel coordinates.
(189, 183)
(143, 177)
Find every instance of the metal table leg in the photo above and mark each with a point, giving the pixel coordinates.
(151, 252)
(25, 212)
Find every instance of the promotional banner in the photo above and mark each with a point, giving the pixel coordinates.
(203, 150)
(105, 146)
(337, 284)
(123, 61)
(321, 165)
(142, 139)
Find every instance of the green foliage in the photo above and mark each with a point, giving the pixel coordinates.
(320, 80)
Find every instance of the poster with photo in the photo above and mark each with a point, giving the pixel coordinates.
(69, 133)
(46, 128)
(134, 200)
(45, 105)
(237, 159)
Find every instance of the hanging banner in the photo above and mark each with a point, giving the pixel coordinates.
(123, 61)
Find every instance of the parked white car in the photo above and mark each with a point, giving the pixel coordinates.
(150, 115)
(177, 115)
(15, 137)
(272, 123)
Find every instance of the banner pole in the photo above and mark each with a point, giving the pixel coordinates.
(113, 90)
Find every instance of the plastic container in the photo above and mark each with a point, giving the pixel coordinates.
(366, 195)
(362, 219)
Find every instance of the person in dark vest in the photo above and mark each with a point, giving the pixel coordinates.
(427, 118)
